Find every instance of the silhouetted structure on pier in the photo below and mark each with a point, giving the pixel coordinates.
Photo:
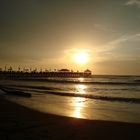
(10, 74)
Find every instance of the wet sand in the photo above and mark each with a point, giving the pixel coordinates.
(21, 123)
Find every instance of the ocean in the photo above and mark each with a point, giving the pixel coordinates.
(113, 98)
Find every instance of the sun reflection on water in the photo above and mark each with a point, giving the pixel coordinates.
(81, 79)
(81, 89)
(78, 104)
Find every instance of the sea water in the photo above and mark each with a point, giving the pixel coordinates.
(114, 98)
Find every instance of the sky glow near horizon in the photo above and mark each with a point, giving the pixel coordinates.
(59, 34)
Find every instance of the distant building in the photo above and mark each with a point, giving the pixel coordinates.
(87, 71)
(64, 70)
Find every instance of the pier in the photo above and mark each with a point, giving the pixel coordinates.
(11, 74)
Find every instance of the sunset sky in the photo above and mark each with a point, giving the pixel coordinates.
(53, 33)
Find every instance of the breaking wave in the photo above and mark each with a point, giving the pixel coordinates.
(56, 91)
(134, 82)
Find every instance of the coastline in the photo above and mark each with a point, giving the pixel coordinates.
(18, 122)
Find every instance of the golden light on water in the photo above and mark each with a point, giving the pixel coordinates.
(79, 101)
(79, 104)
(81, 89)
(81, 79)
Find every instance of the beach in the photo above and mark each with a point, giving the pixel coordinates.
(19, 122)
(90, 109)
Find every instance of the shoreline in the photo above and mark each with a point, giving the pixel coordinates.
(18, 122)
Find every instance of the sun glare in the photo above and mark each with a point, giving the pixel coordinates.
(81, 58)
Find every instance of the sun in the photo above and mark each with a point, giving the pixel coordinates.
(81, 58)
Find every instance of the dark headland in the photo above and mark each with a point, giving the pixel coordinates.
(21, 123)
